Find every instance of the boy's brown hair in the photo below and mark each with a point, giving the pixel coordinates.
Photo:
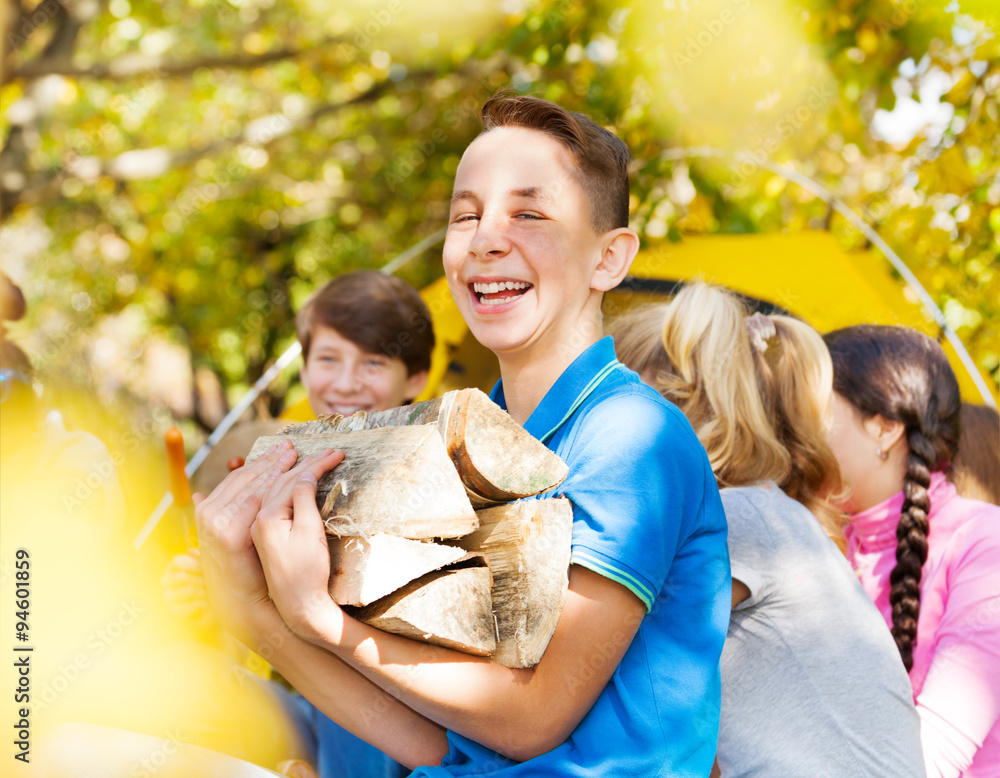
(975, 470)
(602, 159)
(379, 313)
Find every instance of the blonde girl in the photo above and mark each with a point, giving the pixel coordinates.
(810, 681)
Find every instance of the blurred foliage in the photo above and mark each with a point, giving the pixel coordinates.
(178, 176)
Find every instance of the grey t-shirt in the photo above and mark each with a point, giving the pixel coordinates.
(812, 683)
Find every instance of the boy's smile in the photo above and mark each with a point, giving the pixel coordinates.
(341, 377)
(492, 292)
(521, 249)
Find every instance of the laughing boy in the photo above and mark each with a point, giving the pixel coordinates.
(629, 684)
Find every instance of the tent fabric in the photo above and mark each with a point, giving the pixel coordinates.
(807, 274)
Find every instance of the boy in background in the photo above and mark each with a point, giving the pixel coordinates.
(366, 343)
(629, 684)
(366, 340)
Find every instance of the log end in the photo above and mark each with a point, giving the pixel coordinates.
(450, 608)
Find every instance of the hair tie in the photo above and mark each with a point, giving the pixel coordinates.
(764, 337)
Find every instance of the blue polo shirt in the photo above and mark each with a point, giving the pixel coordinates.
(647, 515)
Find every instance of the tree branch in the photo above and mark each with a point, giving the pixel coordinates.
(132, 65)
(146, 164)
(151, 163)
(14, 155)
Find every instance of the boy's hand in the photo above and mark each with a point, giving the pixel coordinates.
(293, 549)
(233, 575)
(185, 593)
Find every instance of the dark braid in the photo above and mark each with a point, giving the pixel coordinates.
(903, 376)
(911, 548)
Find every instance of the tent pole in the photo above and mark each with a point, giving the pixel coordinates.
(869, 232)
(912, 281)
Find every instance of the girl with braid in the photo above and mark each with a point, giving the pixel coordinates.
(811, 684)
(929, 558)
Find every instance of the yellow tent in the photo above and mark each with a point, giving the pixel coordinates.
(806, 274)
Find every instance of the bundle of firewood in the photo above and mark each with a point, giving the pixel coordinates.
(426, 539)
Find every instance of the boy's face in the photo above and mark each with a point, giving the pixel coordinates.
(340, 377)
(520, 220)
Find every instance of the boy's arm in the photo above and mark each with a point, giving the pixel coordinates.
(237, 589)
(520, 713)
(348, 698)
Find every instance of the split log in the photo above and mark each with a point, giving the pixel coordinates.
(235, 443)
(527, 544)
(365, 570)
(450, 608)
(497, 460)
(397, 480)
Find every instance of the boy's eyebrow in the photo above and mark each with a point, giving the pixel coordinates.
(464, 194)
(528, 193)
(532, 193)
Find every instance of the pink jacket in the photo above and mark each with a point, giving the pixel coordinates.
(956, 662)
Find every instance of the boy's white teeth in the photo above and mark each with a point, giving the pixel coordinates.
(494, 287)
(499, 301)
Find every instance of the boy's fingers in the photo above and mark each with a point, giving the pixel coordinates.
(330, 461)
(281, 489)
(317, 464)
(186, 563)
(262, 531)
(304, 500)
(259, 479)
(242, 505)
(182, 581)
(281, 456)
(301, 497)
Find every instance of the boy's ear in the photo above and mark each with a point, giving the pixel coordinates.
(416, 383)
(620, 247)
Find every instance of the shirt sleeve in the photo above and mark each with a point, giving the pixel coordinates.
(960, 700)
(748, 555)
(637, 483)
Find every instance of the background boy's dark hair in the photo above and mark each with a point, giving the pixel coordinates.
(601, 157)
(975, 470)
(379, 313)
